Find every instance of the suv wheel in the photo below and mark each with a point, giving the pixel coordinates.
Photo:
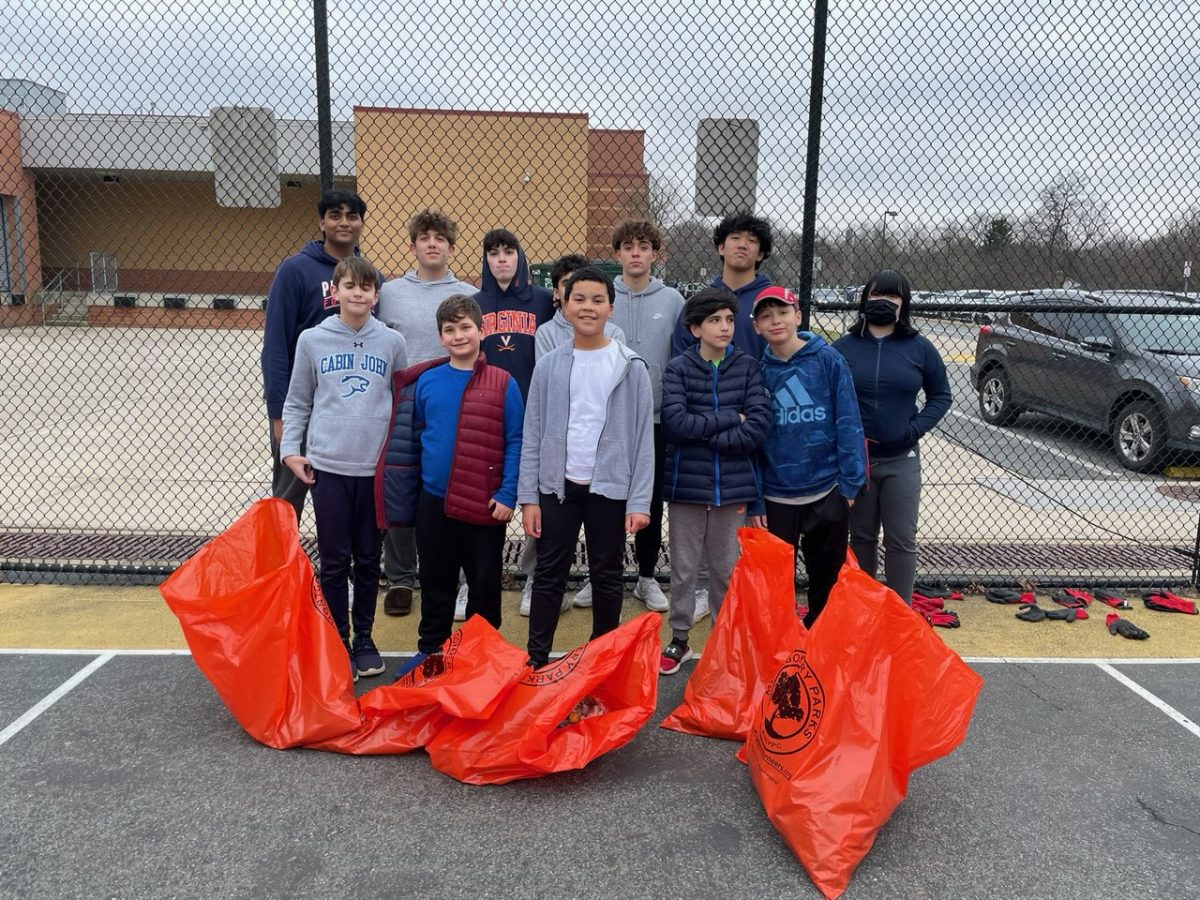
(1139, 436)
(995, 398)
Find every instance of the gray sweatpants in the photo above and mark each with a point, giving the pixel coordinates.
(400, 557)
(700, 535)
(892, 499)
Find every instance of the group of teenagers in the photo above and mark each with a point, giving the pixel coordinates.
(423, 413)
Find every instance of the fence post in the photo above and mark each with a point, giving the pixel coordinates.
(816, 93)
(324, 116)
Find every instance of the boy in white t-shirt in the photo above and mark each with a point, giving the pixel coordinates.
(587, 458)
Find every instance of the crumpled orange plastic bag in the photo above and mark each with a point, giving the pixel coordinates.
(541, 726)
(479, 667)
(874, 695)
(258, 628)
(756, 630)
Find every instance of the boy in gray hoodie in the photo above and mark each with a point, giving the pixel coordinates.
(340, 399)
(646, 310)
(586, 459)
(409, 305)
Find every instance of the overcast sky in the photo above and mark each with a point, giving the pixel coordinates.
(932, 109)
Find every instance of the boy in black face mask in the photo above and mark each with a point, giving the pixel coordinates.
(890, 364)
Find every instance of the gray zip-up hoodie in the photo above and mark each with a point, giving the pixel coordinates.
(648, 319)
(409, 305)
(625, 452)
(559, 331)
(340, 395)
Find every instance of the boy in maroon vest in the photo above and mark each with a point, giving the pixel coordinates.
(449, 468)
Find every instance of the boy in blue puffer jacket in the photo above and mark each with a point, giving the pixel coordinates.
(815, 456)
(715, 416)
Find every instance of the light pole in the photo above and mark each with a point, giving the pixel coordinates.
(887, 214)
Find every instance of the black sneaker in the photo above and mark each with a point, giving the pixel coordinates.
(367, 660)
(673, 656)
(398, 601)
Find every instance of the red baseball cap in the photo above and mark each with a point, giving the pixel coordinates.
(777, 293)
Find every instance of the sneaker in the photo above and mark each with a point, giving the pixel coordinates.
(526, 597)
(350, 654)
(583, 596)
(567, 601)
(409, 664)
(367, 660)
(460, 604)
(648, 591)
(398, 601)
(673, 656)
(701, 604)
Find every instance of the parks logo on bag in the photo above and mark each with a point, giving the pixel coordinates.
(791, 711)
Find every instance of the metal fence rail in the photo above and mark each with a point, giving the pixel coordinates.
(157, 162)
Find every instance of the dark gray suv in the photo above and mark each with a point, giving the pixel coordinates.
(1134, 376)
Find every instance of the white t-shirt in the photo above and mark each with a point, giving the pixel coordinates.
(593, 377)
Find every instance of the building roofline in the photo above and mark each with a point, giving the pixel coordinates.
(506, 113)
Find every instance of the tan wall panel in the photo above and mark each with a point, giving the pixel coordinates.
(472, 166)
(169, 225)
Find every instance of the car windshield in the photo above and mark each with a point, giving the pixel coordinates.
(1155, 331)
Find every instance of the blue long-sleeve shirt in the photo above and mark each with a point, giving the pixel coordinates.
(437, 402)
(816, 438)
(888, 373)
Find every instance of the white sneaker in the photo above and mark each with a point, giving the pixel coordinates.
(648, 591)
(566, 603)
(583, 596)
(701, 604)
(526, 597)
(460, 604)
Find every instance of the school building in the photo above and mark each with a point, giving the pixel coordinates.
(153, 210)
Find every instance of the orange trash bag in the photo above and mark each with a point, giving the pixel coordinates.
(476, 669)
(756, 630)
(560, 717)
(874, 695)
(258, 628)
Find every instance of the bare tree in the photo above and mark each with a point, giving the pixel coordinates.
(1068, 221)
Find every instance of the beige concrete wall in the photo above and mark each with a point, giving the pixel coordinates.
(170, 234)
(522, 171)
(18, 182)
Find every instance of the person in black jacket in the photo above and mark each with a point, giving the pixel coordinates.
(891, 364)
(715, 417)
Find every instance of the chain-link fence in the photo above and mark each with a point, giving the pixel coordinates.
(160, 161)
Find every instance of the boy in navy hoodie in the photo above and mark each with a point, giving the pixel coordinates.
(299, 298)
(814, 459)
(450, 469)
(715, 414)
(340, 400)
(743, 242)
(513, 308)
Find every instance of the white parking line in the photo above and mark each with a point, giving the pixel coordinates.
(1152, 699)
(51, 698)
(1061, 454)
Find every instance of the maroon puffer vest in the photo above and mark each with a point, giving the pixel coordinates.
(478, 466)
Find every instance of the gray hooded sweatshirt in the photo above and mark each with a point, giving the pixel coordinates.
(409, 305)
(625, 453)
(559, 331)
(340, 395)
(648, 320)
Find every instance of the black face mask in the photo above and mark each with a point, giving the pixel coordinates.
(880, 312)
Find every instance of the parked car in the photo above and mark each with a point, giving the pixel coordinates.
(1134, 376)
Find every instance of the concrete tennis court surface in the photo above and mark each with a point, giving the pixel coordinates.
(122, 775)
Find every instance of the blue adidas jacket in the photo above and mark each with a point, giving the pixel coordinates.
(888, 372)
(712, 455)
(816, 438)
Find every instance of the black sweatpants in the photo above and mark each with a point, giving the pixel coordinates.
(822, 529)
(444, 546)
(603, 521)
(344, 506)
(647, 543)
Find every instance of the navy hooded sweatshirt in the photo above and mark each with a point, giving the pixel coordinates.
(888, 372)
(744, 336)
(299, 299)
(510, 320)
